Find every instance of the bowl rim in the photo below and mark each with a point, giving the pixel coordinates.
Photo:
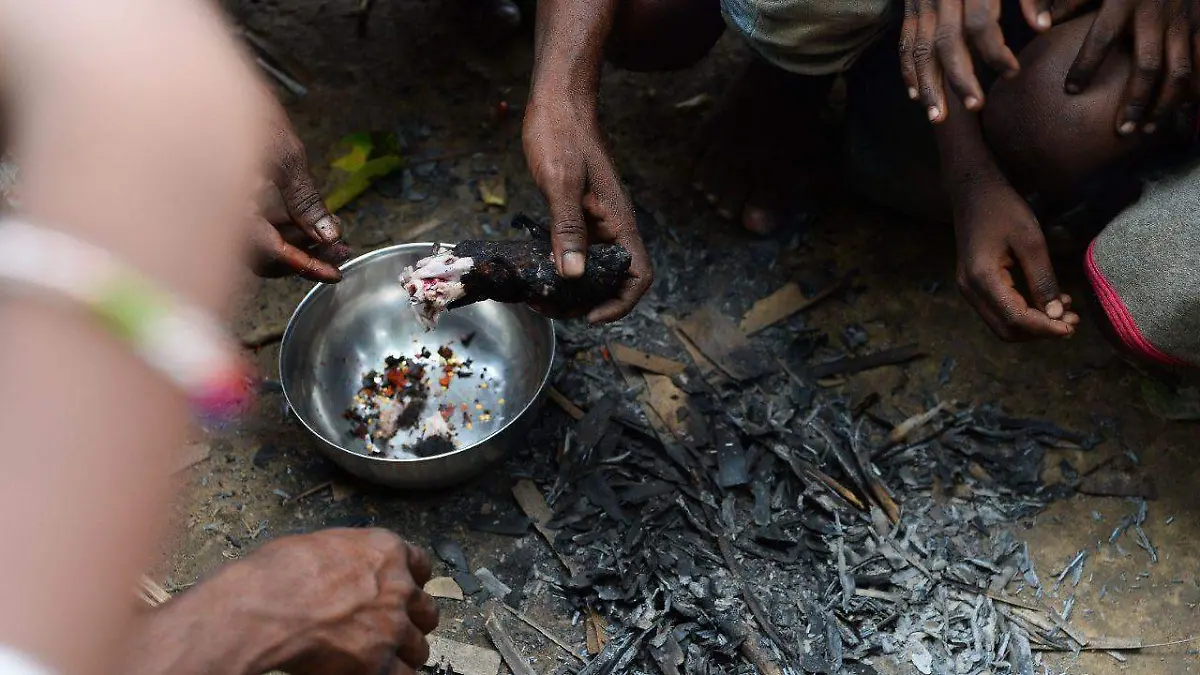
(320, 287)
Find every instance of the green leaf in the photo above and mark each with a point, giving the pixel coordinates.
(360, 152)
(356, 182)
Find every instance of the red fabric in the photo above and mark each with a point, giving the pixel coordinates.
(1118, 315)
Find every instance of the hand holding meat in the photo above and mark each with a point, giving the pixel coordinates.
(513, 272)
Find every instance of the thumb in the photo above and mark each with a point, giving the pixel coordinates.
(1034, 257)
(303, 201)
(568, 231)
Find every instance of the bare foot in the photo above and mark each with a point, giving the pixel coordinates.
(753, 145)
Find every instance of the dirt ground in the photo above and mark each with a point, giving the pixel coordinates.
(441, 88)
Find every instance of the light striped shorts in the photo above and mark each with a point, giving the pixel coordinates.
(809, 37)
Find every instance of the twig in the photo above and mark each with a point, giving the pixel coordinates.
(565, 403)
(848, 366)
(1122, 645)
(312, 490)
(763, 620)
(749, 637)
(545, 633)
(505, 645)
(152, 592)
(531, 501)
(915, 422)
(283, 78)
(841, 490)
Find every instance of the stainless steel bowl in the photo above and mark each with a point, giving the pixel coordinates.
(339, 332)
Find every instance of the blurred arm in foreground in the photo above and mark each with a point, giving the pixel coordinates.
(135, 122)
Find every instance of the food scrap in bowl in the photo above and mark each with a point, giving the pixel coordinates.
(410, 394)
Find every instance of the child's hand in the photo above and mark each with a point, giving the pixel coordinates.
(996, 234)
(937, 40)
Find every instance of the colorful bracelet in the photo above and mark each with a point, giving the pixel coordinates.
(181, 342)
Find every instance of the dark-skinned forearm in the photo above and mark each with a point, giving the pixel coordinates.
(966, 159)
(569, 46)
(200, 632)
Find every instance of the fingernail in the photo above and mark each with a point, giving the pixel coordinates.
(912, 93)
(1126, 128)
(1072, 88)
(971, 102)
(573, 264)
(934, 113)
(326, 228)
(1054, 309)
(1043, 20)
(1150, 128)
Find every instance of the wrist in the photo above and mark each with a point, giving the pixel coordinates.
(239, 640)
(578, 93)
(167, 640)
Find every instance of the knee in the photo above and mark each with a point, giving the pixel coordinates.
(1047, 140)
(663, 35)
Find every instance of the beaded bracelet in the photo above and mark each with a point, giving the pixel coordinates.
(179, 341)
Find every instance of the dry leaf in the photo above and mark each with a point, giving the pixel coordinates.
(641, 360)
(723, 343)
(597, 633)
(444, 587)
(463, 658)
(673, 408)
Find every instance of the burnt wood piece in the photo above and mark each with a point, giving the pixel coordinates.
(524, 271)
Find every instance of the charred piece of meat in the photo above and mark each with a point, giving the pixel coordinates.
(513, 272)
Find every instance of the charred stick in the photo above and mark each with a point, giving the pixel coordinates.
(512, 272)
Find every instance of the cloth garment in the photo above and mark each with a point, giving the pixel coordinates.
(809, 37)
(1145, 270)
(13, 662)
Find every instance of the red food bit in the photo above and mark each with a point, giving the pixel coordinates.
(445, 381)
(398, 378)
(605, 354)
(447, 411)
